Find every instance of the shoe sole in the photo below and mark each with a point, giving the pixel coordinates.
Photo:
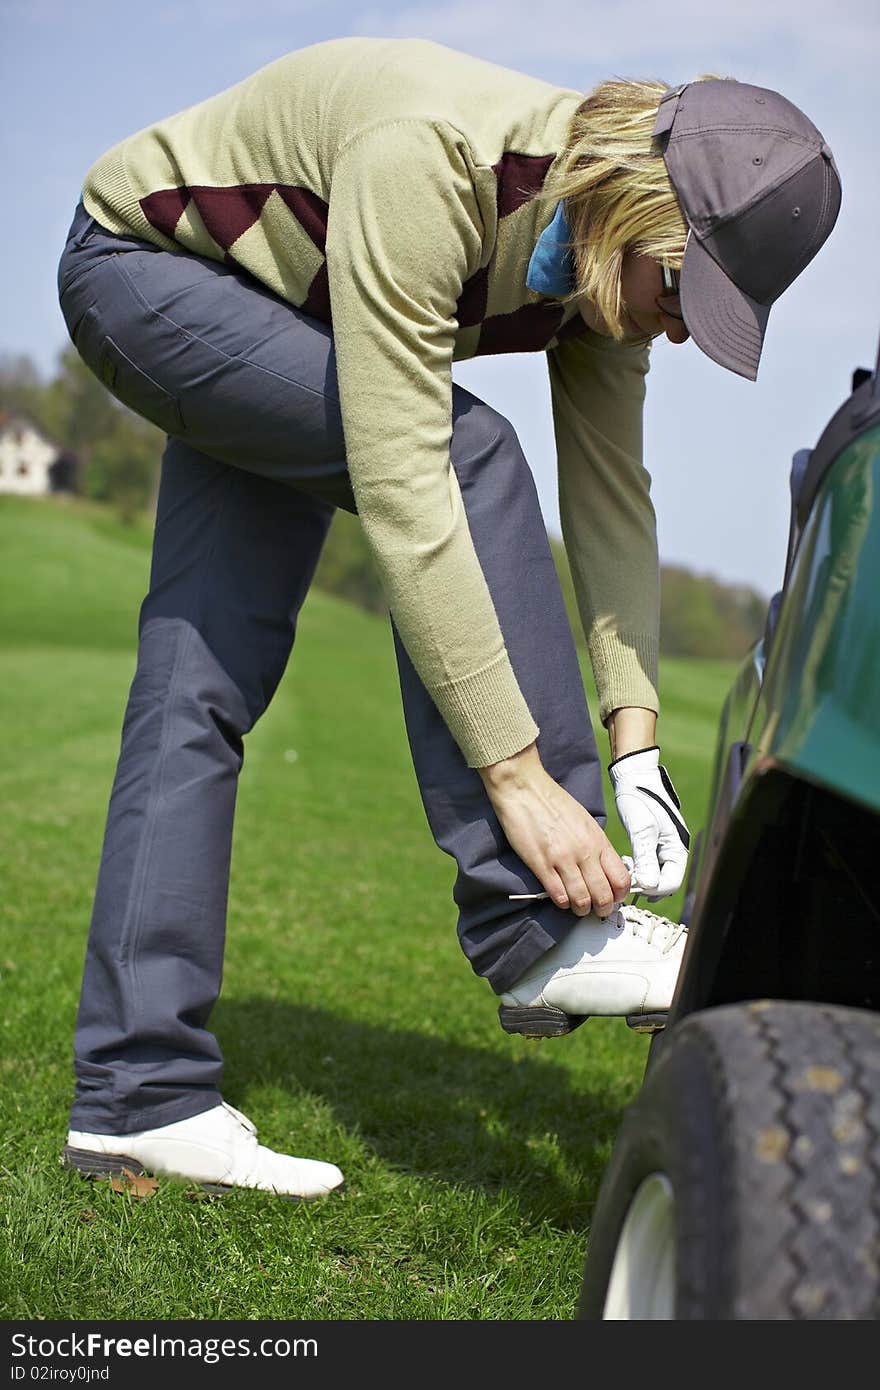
(92, 1165)
(543, 1021)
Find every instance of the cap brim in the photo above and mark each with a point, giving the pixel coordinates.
(723, 321)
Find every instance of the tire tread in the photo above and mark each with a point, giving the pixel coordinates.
(766, 1116)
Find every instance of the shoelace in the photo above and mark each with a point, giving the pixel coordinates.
(237, 1115)
(245, 1174)
(644, 923)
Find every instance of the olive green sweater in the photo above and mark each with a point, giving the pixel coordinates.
(387, 186)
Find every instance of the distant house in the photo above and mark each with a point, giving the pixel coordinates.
(30, 463)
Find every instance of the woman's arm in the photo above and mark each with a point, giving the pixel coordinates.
(608, 522)
(404, 232)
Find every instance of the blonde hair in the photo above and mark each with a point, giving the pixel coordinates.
(617, 194)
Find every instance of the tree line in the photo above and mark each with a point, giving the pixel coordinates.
(699, 616)
(118, 459)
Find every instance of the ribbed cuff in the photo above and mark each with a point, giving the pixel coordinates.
(486, 714)
(116, 206)
(625, 670)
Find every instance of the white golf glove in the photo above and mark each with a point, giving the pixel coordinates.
(650, 813)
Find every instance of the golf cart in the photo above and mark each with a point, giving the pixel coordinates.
(745, 1180)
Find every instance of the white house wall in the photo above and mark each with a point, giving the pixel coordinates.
(25, 460)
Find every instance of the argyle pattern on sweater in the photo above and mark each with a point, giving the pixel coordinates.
(227, 224)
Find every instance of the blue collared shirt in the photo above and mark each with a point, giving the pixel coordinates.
(551, 268)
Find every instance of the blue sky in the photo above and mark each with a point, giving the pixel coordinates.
(78, 75)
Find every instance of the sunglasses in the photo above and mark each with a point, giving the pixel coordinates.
(671, 286)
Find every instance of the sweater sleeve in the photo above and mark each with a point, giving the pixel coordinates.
(608, 521)
(404, 231)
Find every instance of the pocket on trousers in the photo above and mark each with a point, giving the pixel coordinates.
(124, 379)
(74, 307)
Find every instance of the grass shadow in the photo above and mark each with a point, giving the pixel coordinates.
(434, 1108)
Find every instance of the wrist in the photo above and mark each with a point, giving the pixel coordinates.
(514, 771)
(631, 729)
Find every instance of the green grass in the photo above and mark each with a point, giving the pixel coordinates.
(352, 1027)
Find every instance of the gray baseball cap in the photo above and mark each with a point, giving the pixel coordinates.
(760, 191)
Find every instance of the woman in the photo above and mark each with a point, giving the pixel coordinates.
(441, 207)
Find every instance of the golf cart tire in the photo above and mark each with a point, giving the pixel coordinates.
(752, 1158)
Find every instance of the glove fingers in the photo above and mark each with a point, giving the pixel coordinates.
(671, 877)
(636, 884)
(671, 848)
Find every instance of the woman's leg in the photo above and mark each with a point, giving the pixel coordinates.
(233, 555)
(502, 939)
(234, 550)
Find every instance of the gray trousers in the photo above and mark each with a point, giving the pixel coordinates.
(244, 386)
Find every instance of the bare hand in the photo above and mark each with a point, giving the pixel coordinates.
(555, 836)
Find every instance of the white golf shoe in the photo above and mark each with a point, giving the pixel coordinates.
(217, 1149)
(627, 965)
